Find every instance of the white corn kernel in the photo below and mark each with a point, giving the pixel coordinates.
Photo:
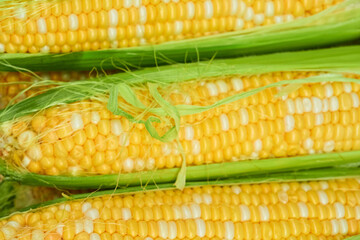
(347, 87)
(329, 91)
(213, 91)
(334, 104)
(172, 230)
(303, 210)
(88, 226)
(335, 226)
(112, 33)
(237, 83)
(249, 14)
(264, 213)
(343, 227)
(34, 152)
(79, 226)
(190, 10)
(339, 210)
(76, 121)
(242, 9)
(236, 190)
(26, 161)
(319, 119)
(278, 19)
(113, 18)
(289, 123)
(323, 197)
(207, 198)
(92, 214)
(224, 122)
(258, 145)
(325, 103)
(186, 213)
(126, 213)
(329, 146)
(189, 133)
(222, 86)
(245, 213)
(41, 25)
(357, 212)
(73, 22)
(299, 107)
(127, 3)
(269, 9)
(259, 19)
(244, 116)
(95, 117)
(26, 138)
(142, 15)
(178, 27)
(116, 127)
(239, 24)
(307, 104)
(200, 227)
(163, 229)
(195, 210)
(95, 236)
(306, 187)
(355, 100)
(128, 165)
(229, 230)
(37, 235)
(209, 9)
(234, 6)
(316, 104)
(86, 206)
(290, 106)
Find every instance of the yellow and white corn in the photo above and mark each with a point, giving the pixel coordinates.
(86, 138)
(295, 210)
(81, 25)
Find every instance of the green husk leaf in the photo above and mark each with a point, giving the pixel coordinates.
(340, 23)
(7, 198)
(357, 237)
(308, 175)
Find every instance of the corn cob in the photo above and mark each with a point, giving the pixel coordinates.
(71, 26)
(86, 138)
(294, 210)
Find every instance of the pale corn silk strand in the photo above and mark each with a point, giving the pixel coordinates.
(17, 86)
(327, 209)
(62, 26)
(246, 118)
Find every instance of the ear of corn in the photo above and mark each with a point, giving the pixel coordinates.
(339, 23)
(63, 26)
(293, 210)
(85, 138)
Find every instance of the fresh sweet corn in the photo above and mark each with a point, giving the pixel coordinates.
(86, 138)
(294, 210)
(80, 25)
